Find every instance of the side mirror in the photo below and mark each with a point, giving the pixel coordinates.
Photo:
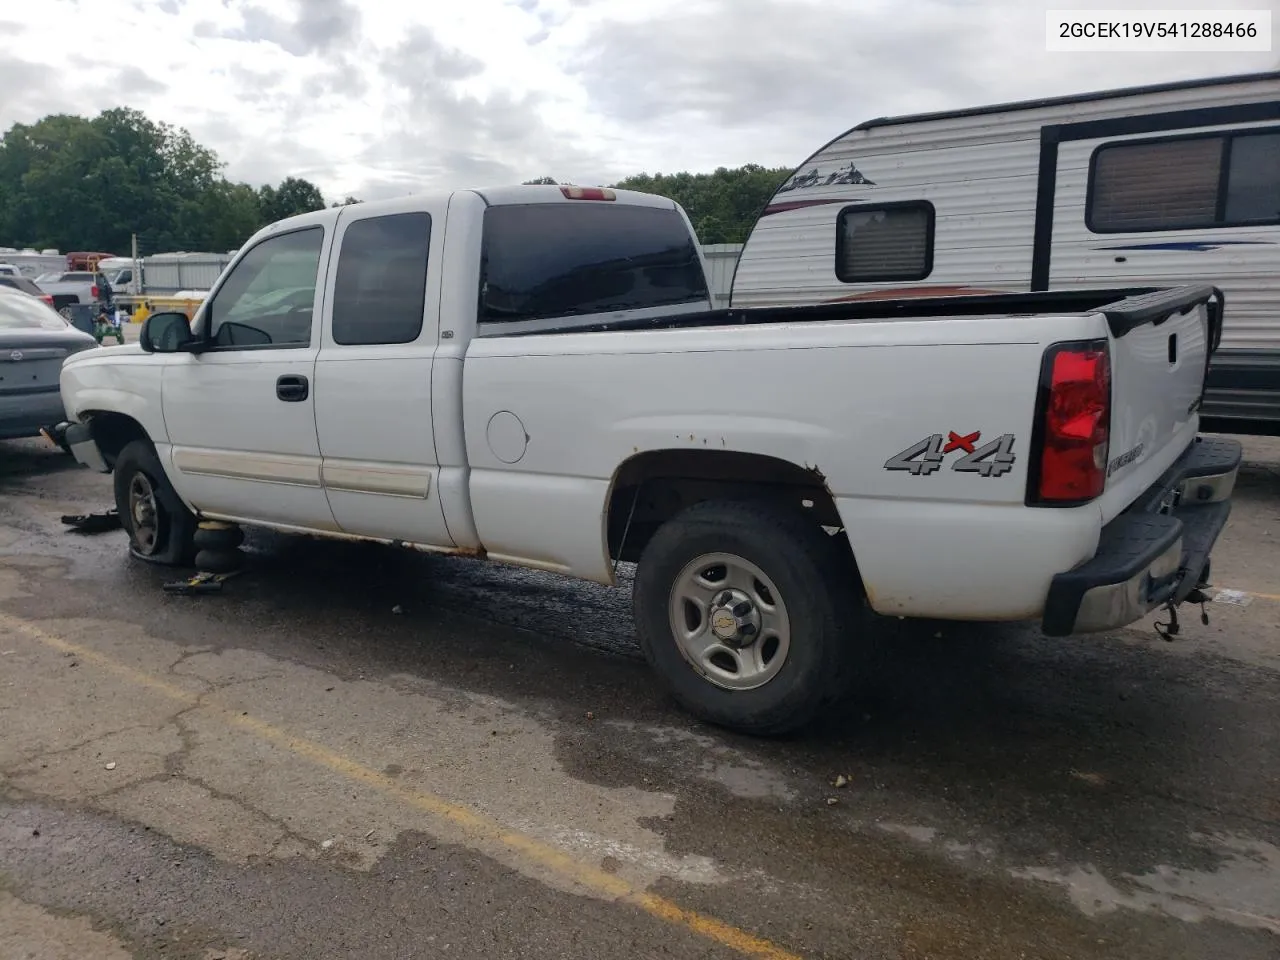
(167, 333)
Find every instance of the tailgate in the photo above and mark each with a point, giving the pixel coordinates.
(1160, 348)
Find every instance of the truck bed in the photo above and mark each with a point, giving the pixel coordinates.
(1124, 307)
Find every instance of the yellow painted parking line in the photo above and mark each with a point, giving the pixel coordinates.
(472, 824)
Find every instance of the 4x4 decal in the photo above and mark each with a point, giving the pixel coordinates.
(992, 459)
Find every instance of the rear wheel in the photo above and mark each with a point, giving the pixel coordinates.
(748, 613)
(159, 525)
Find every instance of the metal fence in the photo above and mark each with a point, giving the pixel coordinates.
(722, 259)
(171, 272)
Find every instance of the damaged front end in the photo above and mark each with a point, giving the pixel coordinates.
(78, 440)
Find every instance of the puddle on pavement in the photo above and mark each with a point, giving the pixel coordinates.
(1244, 890)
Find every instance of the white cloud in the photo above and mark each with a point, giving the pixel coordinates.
(378, 98)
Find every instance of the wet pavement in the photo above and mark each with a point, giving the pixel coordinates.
(294, 769)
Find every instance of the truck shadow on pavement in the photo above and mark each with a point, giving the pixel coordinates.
(23, 459)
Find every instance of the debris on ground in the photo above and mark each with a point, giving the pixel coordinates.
(1236, 598)
(200, 583)
(397, 609)
(99, 522)
(327, 844)
(840, 782)
(111, 765)
(832, 801)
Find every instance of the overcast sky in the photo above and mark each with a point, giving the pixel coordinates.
(380, 98)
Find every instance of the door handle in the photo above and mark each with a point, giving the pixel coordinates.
(292, 389)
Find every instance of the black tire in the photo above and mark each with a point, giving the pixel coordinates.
(218, 536)
(169, 540)
(818, 587)
(219, 561)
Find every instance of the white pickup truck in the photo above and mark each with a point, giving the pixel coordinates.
(536, 374)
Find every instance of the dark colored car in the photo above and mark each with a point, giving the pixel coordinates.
(34, 341)
(27, 287)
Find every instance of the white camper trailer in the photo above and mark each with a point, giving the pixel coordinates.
(1164, 184)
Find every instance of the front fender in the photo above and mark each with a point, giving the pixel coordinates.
(125, 385)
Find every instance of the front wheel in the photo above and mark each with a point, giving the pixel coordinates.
(748, 613)
(160, 527)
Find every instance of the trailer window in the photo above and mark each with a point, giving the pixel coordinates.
(544, 261)
(889, 242)
(1185, 183)
(381, 286)
(1253, 179)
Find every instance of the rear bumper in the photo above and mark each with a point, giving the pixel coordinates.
(23, 415)
(1155, 553)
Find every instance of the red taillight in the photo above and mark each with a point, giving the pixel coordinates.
(588, 193)
(93, 291)
(1074, 423)
(47, 299)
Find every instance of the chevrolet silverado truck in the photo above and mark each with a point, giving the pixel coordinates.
(72, 287)
(537, 375)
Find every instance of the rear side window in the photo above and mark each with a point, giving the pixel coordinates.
(889, 242)
(380, 290)
(555, 260)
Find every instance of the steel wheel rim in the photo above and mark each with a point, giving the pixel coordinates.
(144, 514)
(729, 621)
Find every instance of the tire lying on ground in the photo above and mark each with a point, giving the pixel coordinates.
(749, 613)
(160, 527)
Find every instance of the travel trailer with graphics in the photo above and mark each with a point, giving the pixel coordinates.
(1168, 184)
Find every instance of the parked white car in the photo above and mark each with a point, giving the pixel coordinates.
(535, 374)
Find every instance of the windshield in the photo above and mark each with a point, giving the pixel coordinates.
(21, 312)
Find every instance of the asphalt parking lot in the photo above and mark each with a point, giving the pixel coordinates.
(355, 752)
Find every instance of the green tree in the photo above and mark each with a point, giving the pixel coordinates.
(89, 184)
(292, 197)
(722, 206)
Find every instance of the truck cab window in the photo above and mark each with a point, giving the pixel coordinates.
(268, 298)
(380, 290)
(555, 260)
